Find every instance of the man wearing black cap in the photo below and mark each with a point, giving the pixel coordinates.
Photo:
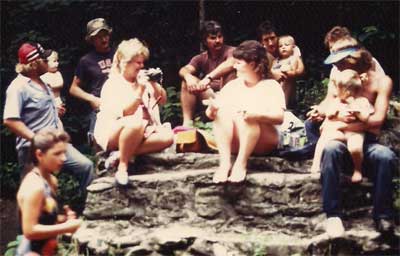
(30, 106)
(93, 68)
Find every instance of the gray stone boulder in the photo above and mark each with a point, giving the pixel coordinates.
(171, 207)
(181, 212)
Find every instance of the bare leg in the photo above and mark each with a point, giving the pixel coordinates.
(223, 131)
(157, 141)
(188, 104)
(355, 145)
(326, 136)
(129, 140)
(248, 133)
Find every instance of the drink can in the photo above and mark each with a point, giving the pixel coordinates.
(294, 140)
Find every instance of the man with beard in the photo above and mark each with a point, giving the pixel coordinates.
(30, 106)
(93, 68)
(201, 67)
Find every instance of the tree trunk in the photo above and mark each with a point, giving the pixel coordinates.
(201, 20)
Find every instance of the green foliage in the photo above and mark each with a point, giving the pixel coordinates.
(9, 178)
(12, 246)
(171, 111)
(310, 92)
(67, 191)
(198, 123)
(372, 35)
(68, 248)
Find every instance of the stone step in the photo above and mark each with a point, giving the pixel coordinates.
(191, 194)
(158, 162)
(171, 208)
(124, 238)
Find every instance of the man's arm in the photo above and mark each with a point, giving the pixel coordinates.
(376, 120)
(186, 73)
(222, 69)
(19, 128)
(76, 90)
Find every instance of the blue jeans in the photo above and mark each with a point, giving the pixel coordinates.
(379, 166)
(92, 117)
(77, 165)
(312, 131)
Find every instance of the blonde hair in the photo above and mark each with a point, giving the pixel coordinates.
(27, 68)
(127, 50)
(53, 55)
(291, 39)
(348, 80)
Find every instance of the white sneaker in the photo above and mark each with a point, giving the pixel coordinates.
(334, 227)
(112, 160)
(121, 178)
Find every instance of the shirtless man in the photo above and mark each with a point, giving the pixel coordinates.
(379, 163)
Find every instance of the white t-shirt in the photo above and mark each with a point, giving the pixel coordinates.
(116, 94)
(265, 95)
(55, 80)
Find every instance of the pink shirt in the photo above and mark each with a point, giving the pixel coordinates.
(204, 64)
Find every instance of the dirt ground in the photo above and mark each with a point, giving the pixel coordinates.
(8, 222)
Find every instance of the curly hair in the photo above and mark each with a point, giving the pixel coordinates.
(336, 33)
(127, 50)
(250, 51)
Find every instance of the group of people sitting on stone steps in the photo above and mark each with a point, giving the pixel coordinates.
(246, 90)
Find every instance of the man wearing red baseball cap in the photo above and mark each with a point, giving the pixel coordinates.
(30, 107)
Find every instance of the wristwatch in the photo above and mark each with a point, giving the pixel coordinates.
(209, 77)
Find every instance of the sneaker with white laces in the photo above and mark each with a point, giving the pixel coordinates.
(121, 178)
(334, 227)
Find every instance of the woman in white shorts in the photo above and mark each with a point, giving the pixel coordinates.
(126, 121)
(245, 112)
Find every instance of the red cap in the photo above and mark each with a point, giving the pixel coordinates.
(28, 53)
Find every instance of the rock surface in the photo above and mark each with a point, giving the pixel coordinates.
(171, 207)
(276, 211)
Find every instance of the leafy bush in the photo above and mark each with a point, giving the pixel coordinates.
(12, 246)
(171, 111)
(9, 178)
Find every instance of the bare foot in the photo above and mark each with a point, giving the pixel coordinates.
(221, 175)
(357, 177)
(238, 175)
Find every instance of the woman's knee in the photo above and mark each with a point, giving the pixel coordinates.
(133, 126)
(167, 137)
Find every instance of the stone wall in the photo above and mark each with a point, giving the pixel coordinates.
(171, 207)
